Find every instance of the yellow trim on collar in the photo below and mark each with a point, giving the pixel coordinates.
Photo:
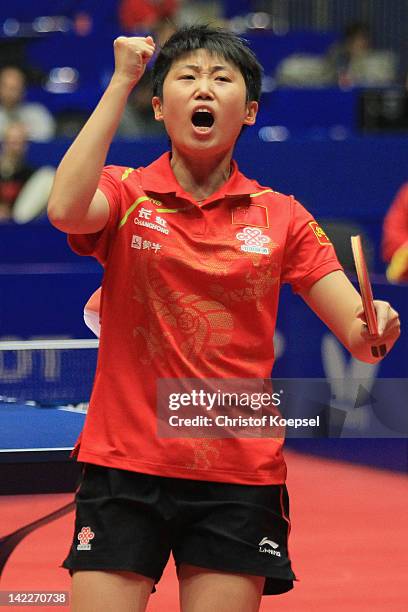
(169, 210)
(255, 195)
(131, 209)
(126, 174)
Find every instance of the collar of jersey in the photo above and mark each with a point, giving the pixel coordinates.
(158, 177)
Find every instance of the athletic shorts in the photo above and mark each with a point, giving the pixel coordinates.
(132, 521)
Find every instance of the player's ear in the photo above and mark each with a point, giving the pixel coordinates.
(251, 112)
(157, 108)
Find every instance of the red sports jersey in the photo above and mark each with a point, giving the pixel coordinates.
(190, 291)
(395, 230)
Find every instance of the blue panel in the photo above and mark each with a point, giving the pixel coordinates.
(47, 300)
(91, 55)
(36, 242)
(231, 8)
(308, 108)
(85, 98)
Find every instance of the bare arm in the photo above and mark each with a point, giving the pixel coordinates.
(337, 303)
(75, 204)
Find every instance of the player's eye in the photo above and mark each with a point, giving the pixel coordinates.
(187, 76)
(224, 79)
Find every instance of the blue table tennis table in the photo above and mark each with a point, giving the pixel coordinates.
(38, 433)
(35, 447)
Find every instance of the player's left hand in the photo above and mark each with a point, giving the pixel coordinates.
(389, 326)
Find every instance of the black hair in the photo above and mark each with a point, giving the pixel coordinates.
(216, 41)
(356, 28)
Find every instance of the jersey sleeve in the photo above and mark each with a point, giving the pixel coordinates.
(309, 255)
(98, 244)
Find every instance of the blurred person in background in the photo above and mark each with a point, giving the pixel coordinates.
(138, 119)
(39, 122)
(24, 190)
(161, 17)
(153, 16)
(395, 237)
(356, 41)
(354, 62)
(203, 11)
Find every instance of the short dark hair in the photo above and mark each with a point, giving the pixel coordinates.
(216, 41)
(356, 28)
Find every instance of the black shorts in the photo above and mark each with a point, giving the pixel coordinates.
(131, 521)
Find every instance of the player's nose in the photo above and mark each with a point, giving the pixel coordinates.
(204, 89)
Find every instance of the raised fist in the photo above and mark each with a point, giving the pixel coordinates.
(132, 55)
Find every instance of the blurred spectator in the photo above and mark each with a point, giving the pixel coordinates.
(153, 16)
(353, 61)
(38, 120)
(303, 70)
(207, 11)
(14, 172)
(24, 191)
(138, 118)
(395, 237)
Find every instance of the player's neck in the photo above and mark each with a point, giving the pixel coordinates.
(201, 177)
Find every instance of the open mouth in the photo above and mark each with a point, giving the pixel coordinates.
(203, 118)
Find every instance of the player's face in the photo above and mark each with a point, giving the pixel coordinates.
(204, 103)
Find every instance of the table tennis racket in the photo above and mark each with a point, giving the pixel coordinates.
(366, 293)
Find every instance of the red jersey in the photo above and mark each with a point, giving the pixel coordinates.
(395, 230)
(190, 291)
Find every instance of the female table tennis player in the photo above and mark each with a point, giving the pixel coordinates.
(194, 255)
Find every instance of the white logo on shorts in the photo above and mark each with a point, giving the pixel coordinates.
(273, 546)
(84, 536)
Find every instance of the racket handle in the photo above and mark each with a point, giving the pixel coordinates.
(379, 351)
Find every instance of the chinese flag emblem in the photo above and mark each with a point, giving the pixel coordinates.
(319, 233)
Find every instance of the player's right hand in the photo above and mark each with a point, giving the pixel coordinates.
(131, 56)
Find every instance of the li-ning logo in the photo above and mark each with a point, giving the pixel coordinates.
(254, 240)
(270, 551)
(84, 536)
